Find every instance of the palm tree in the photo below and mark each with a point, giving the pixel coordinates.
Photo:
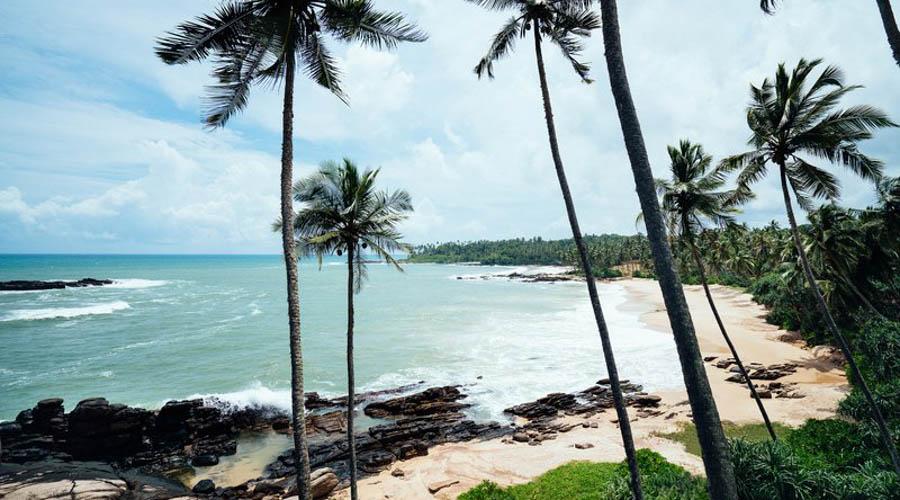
(719, 470)
(260, 42)
(691, 197)
(563, 23)
(795, 115)
(887, 19)
(343, 213)
(834, 244)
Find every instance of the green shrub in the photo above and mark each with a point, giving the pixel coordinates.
(591, 481)
(832, 441)
(877, 346)
(487, 491)
(659, 479)
(774, 471)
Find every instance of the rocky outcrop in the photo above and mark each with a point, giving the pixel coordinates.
(542, 414)
(167, 440)
(416, 422)
(54, 479)
(25, 285)
(431, 401)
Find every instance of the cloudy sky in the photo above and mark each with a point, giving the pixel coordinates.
(102, 149)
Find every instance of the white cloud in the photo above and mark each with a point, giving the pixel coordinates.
(105, 148)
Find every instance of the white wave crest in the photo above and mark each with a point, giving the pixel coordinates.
(65, 312)
(255, 396)
(137, 283)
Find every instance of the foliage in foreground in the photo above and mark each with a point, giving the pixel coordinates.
(590, 480)
(774, 470)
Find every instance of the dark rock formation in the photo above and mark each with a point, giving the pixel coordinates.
(167, 440)
(25, 285)
(431, 401)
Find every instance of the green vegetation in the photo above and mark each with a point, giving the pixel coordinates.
(606, 251)
(589, 480)
(687, 433)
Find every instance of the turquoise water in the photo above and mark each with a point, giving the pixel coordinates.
(181, 326)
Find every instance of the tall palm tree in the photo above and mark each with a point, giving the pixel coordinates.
(564, 23)
(887, 19)
(255, 42)
(793, 119)
(692, 197)
(343, 213)
(719, 471)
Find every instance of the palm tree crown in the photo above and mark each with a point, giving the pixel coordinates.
(791, 117)
(343, 211)
(693, 195)
(564, 22)
(250, 42)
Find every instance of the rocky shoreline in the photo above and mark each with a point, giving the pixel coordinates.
(30, 285)
(138, 453)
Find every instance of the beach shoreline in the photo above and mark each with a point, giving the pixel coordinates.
(815, 378)
(819, 377)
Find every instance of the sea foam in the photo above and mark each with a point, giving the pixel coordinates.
(65, 312)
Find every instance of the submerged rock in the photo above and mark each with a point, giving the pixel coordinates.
(27, 285)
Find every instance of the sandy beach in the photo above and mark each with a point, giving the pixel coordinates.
(818, 377)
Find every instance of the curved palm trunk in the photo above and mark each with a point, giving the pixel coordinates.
(890, 27)
(712, 305)
(351, 379)
(714, 447)
(832, 326)
(618, 399)
(298, 413)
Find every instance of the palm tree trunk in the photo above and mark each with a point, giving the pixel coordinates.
(719, 470)
(712, 305)
(890, 27)
(298, 413)
(856, 291)
(351, 381)
(832, 326)
(609, 358)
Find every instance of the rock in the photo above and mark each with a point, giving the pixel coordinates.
(440, 485)
(763, 394)
(645, 400)
(323, 482)
(281, 425)
(724, 363)
(267, 488)
(25, 285)
(204, 487)
(329, 423)
(428, 402)
(546, 406)
(737, 378)
(398, 473)
(520, 437)
(710, 358)
(204, 460)
(583, 446)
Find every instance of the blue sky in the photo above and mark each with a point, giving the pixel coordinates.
(102, 149)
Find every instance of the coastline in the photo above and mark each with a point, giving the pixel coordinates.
(819, 377)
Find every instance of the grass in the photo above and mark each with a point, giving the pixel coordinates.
(687, 434)
(593, 481)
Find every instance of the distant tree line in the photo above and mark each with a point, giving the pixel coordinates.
(606, 251)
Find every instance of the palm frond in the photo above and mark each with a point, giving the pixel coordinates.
(321, 67)
(357, 20)
(217, 32)
(503, 43)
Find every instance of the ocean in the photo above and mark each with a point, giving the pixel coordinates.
(174, 327)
